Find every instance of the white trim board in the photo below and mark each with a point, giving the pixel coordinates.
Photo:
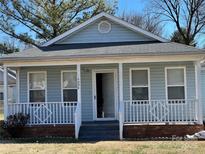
(110, 17)
(94, 97)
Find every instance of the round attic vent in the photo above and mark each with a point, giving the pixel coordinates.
(104, 27)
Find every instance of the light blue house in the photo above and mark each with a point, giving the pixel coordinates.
(107, 71)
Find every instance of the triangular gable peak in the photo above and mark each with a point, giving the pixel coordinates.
(104, 28)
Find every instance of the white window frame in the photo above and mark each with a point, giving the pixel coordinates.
(67, 71)
(148, 86)
(185, 82)
(28, 87)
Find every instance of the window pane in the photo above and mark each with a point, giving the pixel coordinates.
(70, 95)
(37, 81)
(175, 76)
(69, 80)
(176, 93)
(139, 78)
(37, 95)
(140, 93)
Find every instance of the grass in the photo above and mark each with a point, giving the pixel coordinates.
(65, 145)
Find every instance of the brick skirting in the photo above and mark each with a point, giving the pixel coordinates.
(147, 131)
(47, 130)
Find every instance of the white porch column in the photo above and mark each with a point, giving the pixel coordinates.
(78, 112)
(79, 82)
(198, 91)
(121, 109)
(5, 92)
(17, 85)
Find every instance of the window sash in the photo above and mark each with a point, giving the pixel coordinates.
(179, 88)
(42, 82)
(65, 82)
(72, 98)
(175, 79)
(36, 93)
(140, 94)
(137, 73)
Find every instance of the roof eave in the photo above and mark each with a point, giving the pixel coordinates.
(94, 56)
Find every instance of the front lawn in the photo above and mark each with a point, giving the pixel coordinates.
(107, 147)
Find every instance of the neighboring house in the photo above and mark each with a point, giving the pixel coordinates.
(107, 72)
(11, 87)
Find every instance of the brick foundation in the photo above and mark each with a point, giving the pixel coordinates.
(147, 131)
(47, 130)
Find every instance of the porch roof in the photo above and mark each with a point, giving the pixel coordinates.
(103, 50)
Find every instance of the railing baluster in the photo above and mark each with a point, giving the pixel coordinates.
(70, 116)
(160, 111)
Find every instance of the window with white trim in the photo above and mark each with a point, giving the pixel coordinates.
(69, 86)
(175, 83)
(37, 86)
(1, 96)
(140, 84)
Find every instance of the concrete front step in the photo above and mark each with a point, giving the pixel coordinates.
(99, 138)
(100, 130)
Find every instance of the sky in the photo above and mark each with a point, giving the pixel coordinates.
(130, 6)
(140, 6)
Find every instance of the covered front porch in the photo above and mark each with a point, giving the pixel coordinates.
(154, 107)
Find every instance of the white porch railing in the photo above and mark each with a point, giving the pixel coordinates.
(45, 113)
(78, 120)
(160, 111)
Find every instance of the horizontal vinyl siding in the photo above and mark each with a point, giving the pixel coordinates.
(157, 82)
(53, 82)
(157, 79)
(91, 34)
(203, 91)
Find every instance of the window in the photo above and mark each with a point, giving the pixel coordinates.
(139, 84)
(175, 81)
(37, 86)
(1, 96)
(69, 86)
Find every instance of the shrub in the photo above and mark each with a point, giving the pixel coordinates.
(16, 120)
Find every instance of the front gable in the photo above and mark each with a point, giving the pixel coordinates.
(119, 31)
(93, 34)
